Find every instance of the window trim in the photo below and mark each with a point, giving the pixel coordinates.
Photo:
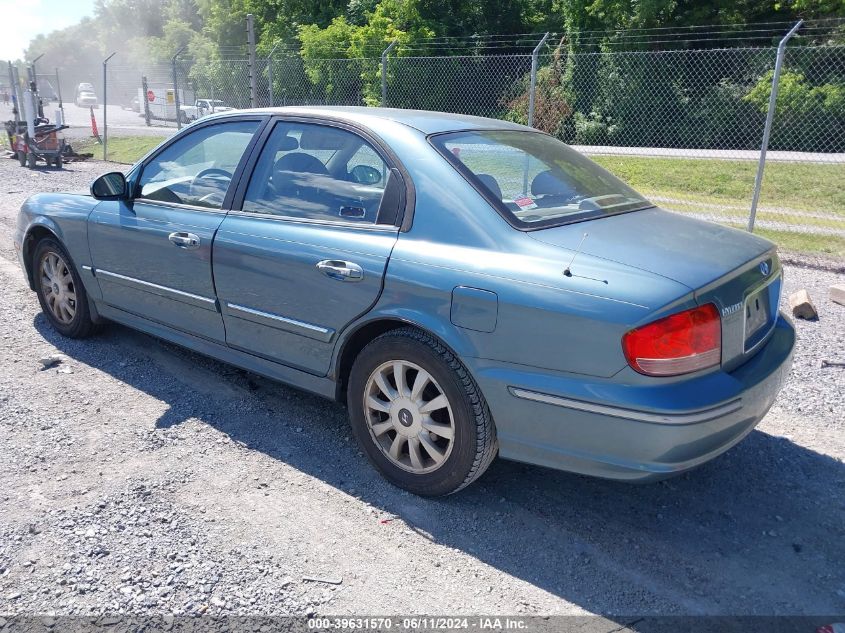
(403, 217)
(498, 205)
(226, 205)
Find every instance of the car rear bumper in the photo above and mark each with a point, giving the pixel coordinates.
(628, 430)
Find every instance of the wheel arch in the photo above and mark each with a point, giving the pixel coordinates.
(40, 229)
(365, 332)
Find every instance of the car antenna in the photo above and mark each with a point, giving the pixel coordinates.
(568, 270)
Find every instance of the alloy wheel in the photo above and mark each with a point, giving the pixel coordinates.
(409, 416)
(58, 287)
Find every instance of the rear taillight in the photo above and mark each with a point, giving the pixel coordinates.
(676, 344)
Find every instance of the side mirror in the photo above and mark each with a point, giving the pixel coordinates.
(366, 175)
(111, 186)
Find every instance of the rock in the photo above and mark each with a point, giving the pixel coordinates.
(50, 361)
(802, 306)
(837, 294)
(14, 595)
(218, 602)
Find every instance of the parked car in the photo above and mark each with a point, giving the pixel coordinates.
(133, 104)
(203, 107)
(85, 96)
(468, 287)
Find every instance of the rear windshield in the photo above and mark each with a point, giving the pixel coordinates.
(535, 180)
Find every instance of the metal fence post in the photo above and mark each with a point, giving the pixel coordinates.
(18, 94)
(59, 94)
(270, 70)
(13, 87)
(38, 105)
(535, 54)
(145, 89)
(384, 55)
(767, 129)
(250, 41)
(175, 91)
(106, 107)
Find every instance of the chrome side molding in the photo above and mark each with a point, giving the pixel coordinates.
(163, 291)
(691, 417)
(281, 322)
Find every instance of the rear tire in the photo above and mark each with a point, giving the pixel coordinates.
(418, 415)
(58, 162)
(22, 158)
(60, 290)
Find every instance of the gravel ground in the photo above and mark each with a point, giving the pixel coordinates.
(141, 478)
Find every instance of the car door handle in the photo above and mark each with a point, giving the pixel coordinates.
(340, 270)
(185, 240)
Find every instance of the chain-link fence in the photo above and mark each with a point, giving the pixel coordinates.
(685, 127)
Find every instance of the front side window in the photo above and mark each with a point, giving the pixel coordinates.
(534, 179)
(317, 172)
(198, 168)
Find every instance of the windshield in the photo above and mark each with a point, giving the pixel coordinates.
(534, 179)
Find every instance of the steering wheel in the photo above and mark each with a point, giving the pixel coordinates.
(215, 173)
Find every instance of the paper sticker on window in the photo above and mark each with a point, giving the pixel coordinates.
(525, 202)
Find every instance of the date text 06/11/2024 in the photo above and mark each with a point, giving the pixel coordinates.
(417, 623)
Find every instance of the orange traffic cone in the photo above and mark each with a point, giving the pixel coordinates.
(94, 131)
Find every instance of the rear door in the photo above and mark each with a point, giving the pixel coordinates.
(152, 254)
(307, 252)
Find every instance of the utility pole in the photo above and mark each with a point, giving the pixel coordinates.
(250, 41)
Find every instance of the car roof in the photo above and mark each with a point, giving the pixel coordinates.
(425, 121)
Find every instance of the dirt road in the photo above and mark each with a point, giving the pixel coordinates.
(136, 476)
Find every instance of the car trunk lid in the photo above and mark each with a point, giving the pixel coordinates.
(737, 271)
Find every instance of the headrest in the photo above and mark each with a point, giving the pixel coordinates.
(547, 182)
(300, 162)
(286, 144)
(492, 184)
(321, 137)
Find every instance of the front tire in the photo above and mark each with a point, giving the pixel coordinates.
(418, 415)
(60, 291)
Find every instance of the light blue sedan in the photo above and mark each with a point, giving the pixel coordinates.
(469, 287)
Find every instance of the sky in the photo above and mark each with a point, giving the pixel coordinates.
(24, 19)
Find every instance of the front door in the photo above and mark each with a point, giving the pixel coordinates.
(152, 254)
(307, 252)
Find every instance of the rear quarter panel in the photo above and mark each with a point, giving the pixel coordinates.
(542, 317)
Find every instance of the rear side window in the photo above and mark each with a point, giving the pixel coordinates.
(534, 179)
(317, 172)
